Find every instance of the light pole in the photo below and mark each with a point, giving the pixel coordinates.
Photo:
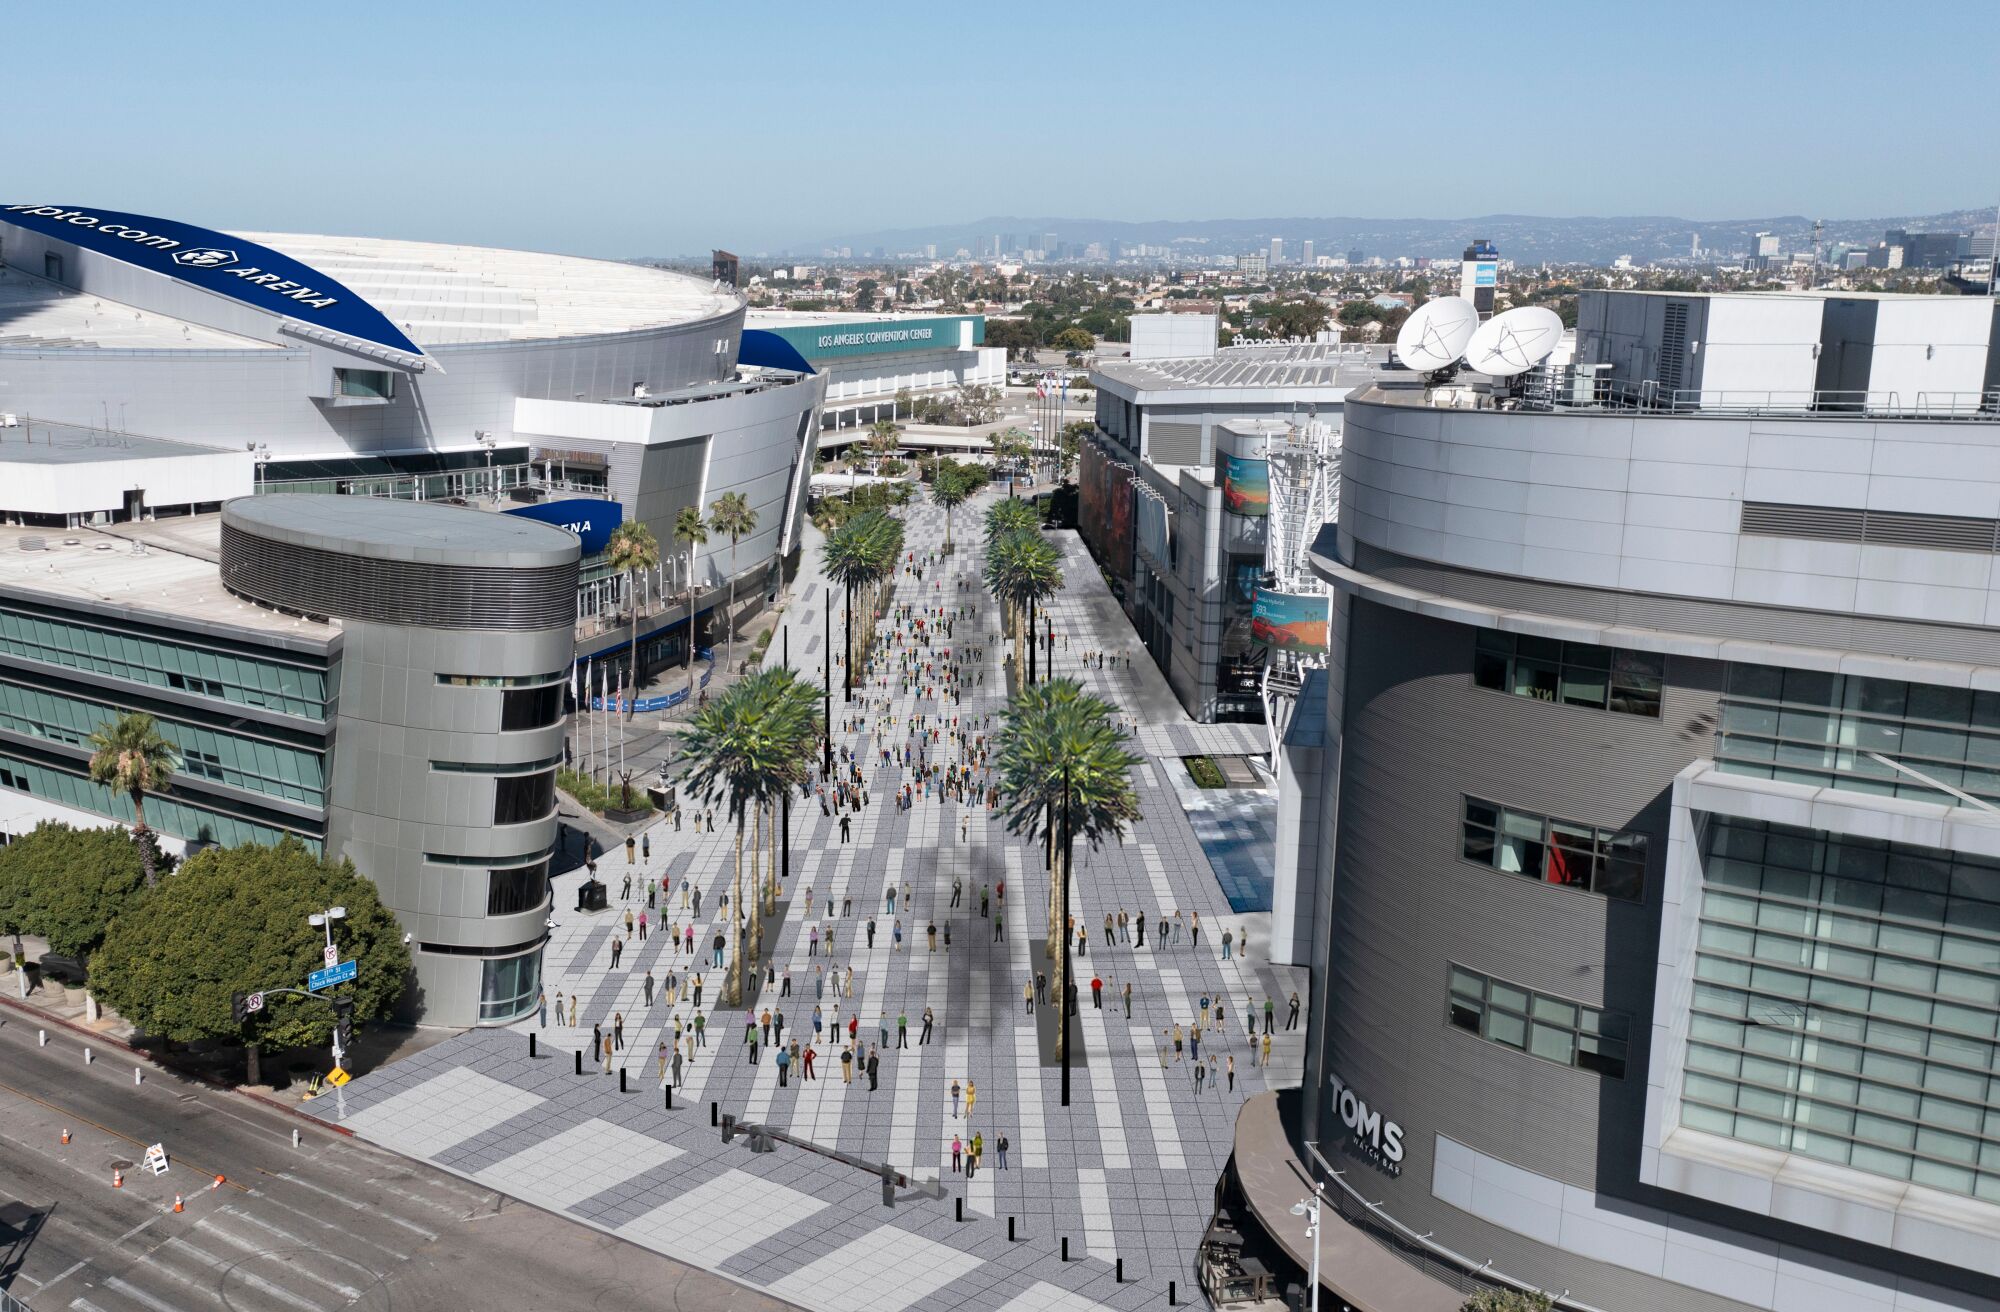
(324, 920)
(1309, 1207)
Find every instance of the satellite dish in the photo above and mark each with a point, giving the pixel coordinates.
(1514, 342)
(1435, 335)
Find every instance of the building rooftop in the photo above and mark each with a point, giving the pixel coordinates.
(386, 529)
(43, 442)
(1314, 367)
(439, 295)
(164, 569)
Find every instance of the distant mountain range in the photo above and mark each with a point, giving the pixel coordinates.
(1524, 238)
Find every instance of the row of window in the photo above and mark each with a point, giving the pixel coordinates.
(509, 892)
(531, 708)
(500, 680)
(1572, 673)
(292, 689)
(1607, 861)
(171, 813)
(1555, 1029)
(505, 767)
(528, 858)
(274, 769)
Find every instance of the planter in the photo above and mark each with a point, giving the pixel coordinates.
(626, 815)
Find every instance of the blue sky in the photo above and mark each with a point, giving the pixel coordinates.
(616, 129)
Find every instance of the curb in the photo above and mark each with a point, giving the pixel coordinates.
(16, 1005)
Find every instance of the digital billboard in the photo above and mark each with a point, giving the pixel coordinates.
(1246, 485)
(217, 262)
(1289, 621)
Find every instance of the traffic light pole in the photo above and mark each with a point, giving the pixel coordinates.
(343, 1014)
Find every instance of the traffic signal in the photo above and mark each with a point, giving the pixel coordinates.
(343, 1025)
(239, 1007)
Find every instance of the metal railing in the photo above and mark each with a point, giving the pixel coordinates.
(1455, 1269)
(1606, 394)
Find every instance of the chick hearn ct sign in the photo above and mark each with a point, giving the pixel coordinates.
(217, 262)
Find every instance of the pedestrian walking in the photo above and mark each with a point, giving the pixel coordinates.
(1028, 997)
(999, 930)
(847, 1065)
(925, 1037)
(1000, 1147)
(1292, 1019)
(1228, 942)
(617, 951)
(956, 1092)
(542, 1009)
(784, 1064)
(1267, 1050)
(649, 988)
(1231, 1071)
(1142, 930)
(1200, 1071)
(902, 1029)
(957, 1153)
(971, 1096)
(618, 1030)
(1127, 991)
(1096, 994)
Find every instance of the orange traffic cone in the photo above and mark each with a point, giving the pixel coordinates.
(219, 1182)
(65, 1134)
(178, 1205)
(117, 1178)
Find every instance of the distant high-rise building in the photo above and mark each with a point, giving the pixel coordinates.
(1277, 251)
(1356, 256)
(1930, 250)
(1306, 253)
(930, 250)
(1767, 246)
(1479, 275)
(1008, 243)
(1252, 264)
(1694, 247)
(1048, 241)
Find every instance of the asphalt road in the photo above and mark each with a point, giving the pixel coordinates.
(330, 1224)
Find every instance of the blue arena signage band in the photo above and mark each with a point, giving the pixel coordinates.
(243, 271)
(591, 521)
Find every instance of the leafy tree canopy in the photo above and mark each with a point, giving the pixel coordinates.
(67, 884)
(234, 921)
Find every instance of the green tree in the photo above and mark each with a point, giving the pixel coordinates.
(631, 551)
(1075, 339)
(68, 884)
(234, 921)
(691, 531)
(731, 516)
(860, 555)
(1297, 318)
(1070, 444)
(745, 749)
(951, 484)
(1021, 570)
(884, 437)
(1013, 515)
(1064, 772)
(129, 756)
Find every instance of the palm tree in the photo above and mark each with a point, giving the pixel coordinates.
(632, 550)
(861, 554)
(731, 516)
(129, 756)
(1063, 771)
(884, 437)
(1021, 570)
(1010, 516)
(691, 531)
(745, 749)
(951, 484)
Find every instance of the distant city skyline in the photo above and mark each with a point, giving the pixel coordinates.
(627, 130)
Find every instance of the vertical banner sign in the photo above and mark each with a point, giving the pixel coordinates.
(1289, 621)
(1246, 485)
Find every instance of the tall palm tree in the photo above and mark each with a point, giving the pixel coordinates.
(884, 437)
(745, 749)
(1010, 516)
(860, 555)
(631, 551)
(731, 516)
(1064, 771)
(129, 756)
(951, 484)
(1021, 570)
(691, 531)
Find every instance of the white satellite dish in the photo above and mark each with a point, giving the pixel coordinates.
(1514, 342)
(1435, 335)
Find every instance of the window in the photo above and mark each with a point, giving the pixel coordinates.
(500, 680)
(509, 892)
(1846, 1003)
(1573, 673)
(1606, 861)
(531, 708)
(1539, 1024)
(1805, 726)
(518, 799)
(509, 767)
(509, 986)
(370, 384)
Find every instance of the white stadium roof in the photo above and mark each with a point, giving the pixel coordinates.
(438, 294)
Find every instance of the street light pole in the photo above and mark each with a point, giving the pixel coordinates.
(1068, 984)
(785, 636)
(324, 920)
(826, 689)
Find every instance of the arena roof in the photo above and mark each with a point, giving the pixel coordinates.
(436, 294)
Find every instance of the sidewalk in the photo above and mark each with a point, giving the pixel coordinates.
(1127, 1171)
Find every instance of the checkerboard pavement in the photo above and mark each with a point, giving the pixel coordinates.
(1127, 1170)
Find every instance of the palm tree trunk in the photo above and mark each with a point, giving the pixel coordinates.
(729, 633)
(755, 911)
(1030, 633)
(1061, 955)
(632, 598)
(733, 989)
(771, 868)
(847, 618)
(690, 654)
(148, 860)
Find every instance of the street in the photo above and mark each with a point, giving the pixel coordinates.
(331, 1223)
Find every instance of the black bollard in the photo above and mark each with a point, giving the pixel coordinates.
(1065, 1256)
(961, 1209)
(621, 1079)
(1010, 1229)
(1173, 1299)
(670, 1097)
(579, 1061)
(1118, 1272)
(715, 1113)
(531, 1044)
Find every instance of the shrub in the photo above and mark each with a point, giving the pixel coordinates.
(1206, 773)
(1506, 1300)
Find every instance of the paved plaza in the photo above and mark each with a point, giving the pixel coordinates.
(1127, 1171)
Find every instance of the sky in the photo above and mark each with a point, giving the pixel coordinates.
(666, 128)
